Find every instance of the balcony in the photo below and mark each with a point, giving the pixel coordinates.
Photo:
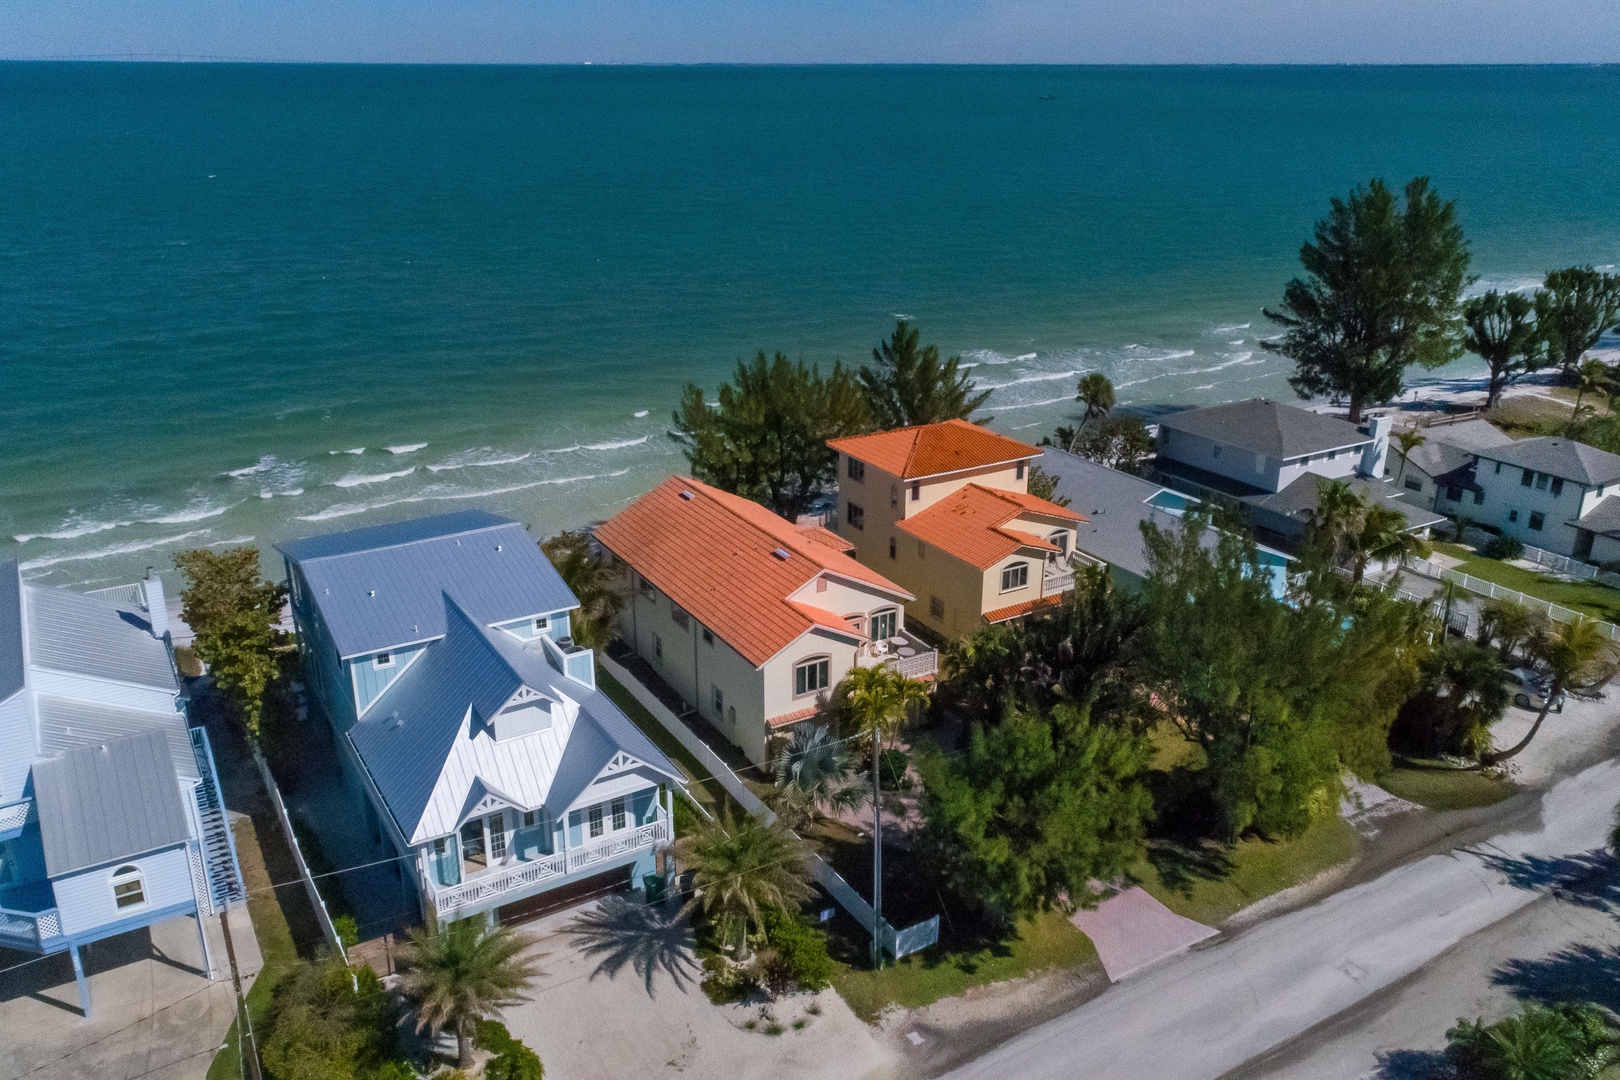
(516, 880)
(28, 917)
(907, 654)
(1057, 578)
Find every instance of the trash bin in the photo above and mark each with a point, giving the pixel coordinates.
(656, 886)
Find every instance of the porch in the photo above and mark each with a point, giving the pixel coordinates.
(902, 650)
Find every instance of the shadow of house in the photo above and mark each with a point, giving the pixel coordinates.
(647, 938)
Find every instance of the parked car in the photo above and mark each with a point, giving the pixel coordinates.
(1532, 690)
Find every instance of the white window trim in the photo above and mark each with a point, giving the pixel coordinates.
(808, 662)
(384, 659)
(1009, 568)
(125, 874)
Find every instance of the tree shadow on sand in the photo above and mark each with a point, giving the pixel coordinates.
(1412, 1065)
(1589, 879)
(1578, 972)
(646, 938)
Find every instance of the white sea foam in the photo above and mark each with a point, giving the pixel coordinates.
(108, 552)
(1239, 341)
(1033, 404)
(72, 530)
(361, 479)
(1229, 329)
(339, 510)
(264, 464)
(1237, 358)
(1048, 377)
(357, 450)
(478, 459)
(993, 358)
(612, 444)
(407, 448)
(197, 511)
(640, 414)
(235, 541)
(268, 494)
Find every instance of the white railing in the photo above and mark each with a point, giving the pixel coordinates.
(449, 899)
(1061, 581)
(16, 815)
(31, 927)
(1560, 564)
(1481, 587)
(923, 665)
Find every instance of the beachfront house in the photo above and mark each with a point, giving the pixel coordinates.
(1551, 493)
(1271, 461)
(749, 618)
(944, 509)
(110, 811)
(438, 650)
(1438, 474)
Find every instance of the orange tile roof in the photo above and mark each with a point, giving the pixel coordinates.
(793, 717)
(714, 555)
(1014, 611)
(828, 537)
(970, 524)
(931, 449)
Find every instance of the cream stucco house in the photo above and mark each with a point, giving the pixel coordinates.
(751, 619)
(944, 509)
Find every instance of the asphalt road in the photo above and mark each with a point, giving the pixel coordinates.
(1208, 1012)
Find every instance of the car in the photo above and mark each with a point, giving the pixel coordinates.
(1532, 690)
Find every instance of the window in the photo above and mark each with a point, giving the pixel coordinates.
(618, 814)
(1015, 576)
(891, 547)
(1479, 498)
(1557, 486)
(1414, 484)
(497, 835)
(1453, 492)
(708, 636)
(821, 584)
(810, 677)
(8, 870)
(936, 608)
(1060, 540)
(1498, 468)
(446, 871)
(1528, 478)
(1542, 480)
(857, 470)
(644, 587)
(472, 842)
(678, 615)
(1019, 474)
(855, 516)
(1537, 520)
(719, 700)
(382, 660)
(731, 715)
(531, 818)
(885, 624)
(658, 648)
(916, 490)
(894, 496)
(596, 820)
(128, 888)
(542, 624)
(1513, 515)
(1332, 454)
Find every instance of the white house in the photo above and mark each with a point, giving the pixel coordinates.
(1439, 473)
(749, 617)
(1552, 493)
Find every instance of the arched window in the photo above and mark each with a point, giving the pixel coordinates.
(128, 888)
(810, 676)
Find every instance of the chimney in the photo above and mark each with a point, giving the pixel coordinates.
(1373, 457)
(157, 609)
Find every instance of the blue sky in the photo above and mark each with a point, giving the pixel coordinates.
(824, 31)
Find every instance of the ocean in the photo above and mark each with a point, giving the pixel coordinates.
(240, 303)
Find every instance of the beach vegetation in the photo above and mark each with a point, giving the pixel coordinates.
(1574, 307)
(1566, 1041)
(743, 867)
(766, 437)
(1096, 392)
(1462, 690)
(815, 772)
(1117, 441)
(1383, 280)
(1502, 331)
(594, 582)
(1575, 656)
(1043, 485)
(457, 975)
(234, 612)
(330, 1021)
(907, 383)
(1038, 809)
(1407, 440)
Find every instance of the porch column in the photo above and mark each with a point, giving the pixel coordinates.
(202, 939)
(78, 977)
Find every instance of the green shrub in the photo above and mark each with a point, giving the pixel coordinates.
(892, 769)
(513, 1059)
(723, 983)
(802, 949)
(392, 1070)
(1503, 547)
(328, 1020)
(348, 931)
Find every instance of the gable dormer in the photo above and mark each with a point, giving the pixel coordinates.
(524, 713)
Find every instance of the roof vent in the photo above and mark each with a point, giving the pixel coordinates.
(781, 553)
(497, 547)
(371, 592)
(687, 496)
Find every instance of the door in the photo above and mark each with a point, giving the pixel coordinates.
(473, 857)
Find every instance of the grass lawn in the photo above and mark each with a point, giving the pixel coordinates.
(1441, 787)
(1046, 942)
(1588, 597)
(1209, 882)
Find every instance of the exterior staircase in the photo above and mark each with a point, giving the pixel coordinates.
(222, 874)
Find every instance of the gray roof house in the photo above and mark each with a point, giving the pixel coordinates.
(1552, 493)
(1442, 466)
(439, 652)
(110, 810)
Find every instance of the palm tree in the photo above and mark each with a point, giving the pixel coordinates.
(1509, 624)
(814, 769)
(1574, 654)
(740, 867)
(1338, 516)
(1592, 377)
(459, 974)
(1559, 1042)
(1097, 393)
(1406, 441)
(594, 583)
(880, 700)
(1447, 594)
(1385, 534)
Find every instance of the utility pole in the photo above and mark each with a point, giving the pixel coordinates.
(877, 854)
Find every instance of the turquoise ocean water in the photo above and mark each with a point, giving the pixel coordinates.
(258, 301)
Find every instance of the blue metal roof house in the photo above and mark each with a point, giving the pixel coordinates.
(439, 651)
(110, 810)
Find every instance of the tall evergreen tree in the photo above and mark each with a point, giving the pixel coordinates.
(1383, 279)
(1573, 309)
(1502, 332)
(767, 439)
(908, 383)
(233, 611)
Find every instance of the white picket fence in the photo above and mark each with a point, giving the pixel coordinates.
(1491, 590)
(322, 915)
(910, 940)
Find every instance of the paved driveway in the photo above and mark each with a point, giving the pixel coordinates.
(620, 1001)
